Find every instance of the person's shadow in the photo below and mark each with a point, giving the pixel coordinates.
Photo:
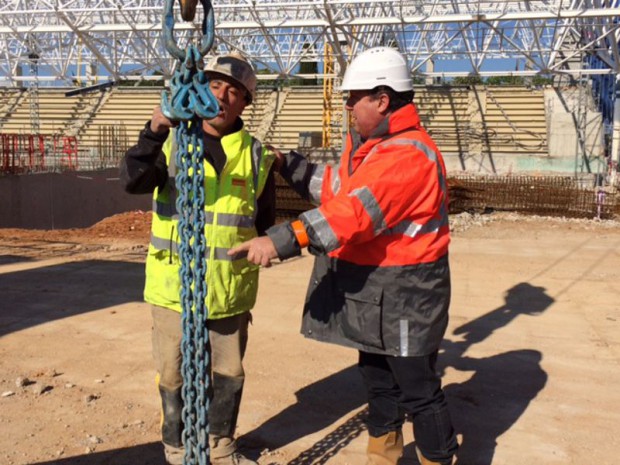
(483, 407)
(502, 386)
(521, 299)
(318, 405)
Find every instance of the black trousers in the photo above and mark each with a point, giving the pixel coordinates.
(397, 386)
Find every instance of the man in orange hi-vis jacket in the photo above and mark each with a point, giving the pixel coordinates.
(381, 278)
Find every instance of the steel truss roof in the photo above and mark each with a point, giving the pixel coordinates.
(60, 41)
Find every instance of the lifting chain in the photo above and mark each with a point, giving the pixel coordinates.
(189, 102)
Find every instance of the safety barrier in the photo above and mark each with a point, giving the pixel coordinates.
(533, 195)
(37, 153)
(529, 195)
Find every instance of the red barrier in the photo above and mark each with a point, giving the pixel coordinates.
(9, 151)
(70, 151)
(36, 153)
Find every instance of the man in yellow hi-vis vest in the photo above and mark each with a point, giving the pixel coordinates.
(240, 204)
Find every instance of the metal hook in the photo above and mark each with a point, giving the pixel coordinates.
(188, 10)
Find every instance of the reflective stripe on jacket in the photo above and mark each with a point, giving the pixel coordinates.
(230, 207)
(384, 285)
(388, 202)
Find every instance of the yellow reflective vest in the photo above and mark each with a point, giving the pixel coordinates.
(231, 208)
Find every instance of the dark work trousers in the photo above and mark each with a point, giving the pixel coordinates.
(409, 385)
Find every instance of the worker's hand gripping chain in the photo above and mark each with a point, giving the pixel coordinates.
(190, 101)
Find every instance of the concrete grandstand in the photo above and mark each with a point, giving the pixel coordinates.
(76, 89)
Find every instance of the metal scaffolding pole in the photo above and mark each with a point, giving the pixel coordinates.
(615, 140)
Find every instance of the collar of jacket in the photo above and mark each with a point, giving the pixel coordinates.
(404, 119)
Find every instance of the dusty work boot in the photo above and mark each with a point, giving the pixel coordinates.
(224, 452)
(174, 455)
(424, 461)
(172, 425)
(233, 459)
(386, 449)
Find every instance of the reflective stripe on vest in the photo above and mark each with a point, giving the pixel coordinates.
(231, 219)
(223, 219)
(220, 253)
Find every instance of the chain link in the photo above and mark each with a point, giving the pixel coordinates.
(193, 256)
(190, 101)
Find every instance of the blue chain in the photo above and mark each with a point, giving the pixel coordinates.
(190, 101)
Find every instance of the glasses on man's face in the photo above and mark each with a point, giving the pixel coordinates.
(355, 96)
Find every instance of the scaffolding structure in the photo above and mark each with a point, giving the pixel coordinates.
(123, 37)
(120, 40)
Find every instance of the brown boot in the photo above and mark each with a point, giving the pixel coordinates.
(386, 449)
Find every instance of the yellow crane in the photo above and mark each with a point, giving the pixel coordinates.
(328, 93)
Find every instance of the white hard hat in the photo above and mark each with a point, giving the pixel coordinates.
(235, 66)
(379, 66)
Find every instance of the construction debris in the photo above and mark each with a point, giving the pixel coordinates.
(532, 195)
(556, 196)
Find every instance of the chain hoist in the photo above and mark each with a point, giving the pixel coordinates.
(189, 101)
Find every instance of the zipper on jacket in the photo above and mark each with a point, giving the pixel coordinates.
(210, 242)
(170, 245)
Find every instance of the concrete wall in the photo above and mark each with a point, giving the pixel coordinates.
(64, 200)
(511, 164)
(565, 107)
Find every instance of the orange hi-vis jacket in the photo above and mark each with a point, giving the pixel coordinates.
(381, 277)
(387, 204)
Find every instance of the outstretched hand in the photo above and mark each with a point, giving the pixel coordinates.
(279, 161)
(261, 251)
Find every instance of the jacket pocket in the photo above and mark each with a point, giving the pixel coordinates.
(362, 316)
(243, 286)
(163, 283)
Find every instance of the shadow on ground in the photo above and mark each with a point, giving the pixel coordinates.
(318, 405)
(12, 259)
(485, 406)
(502, 385)
(144, 454)
(39, 295)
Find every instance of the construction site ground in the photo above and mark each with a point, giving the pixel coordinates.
(529, 360)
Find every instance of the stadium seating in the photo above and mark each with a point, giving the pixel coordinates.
(462, 120)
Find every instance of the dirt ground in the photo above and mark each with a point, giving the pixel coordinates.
(529, 361)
